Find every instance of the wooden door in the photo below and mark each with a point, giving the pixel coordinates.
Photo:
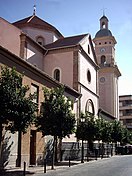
(33, 147)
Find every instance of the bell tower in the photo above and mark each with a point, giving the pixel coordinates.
(108, 73)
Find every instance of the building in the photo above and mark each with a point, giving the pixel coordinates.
(57, 60)
(70, 60)
(125, 107)
(31, 146)
(108, 72)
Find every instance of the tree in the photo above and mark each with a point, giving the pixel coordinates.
(86, 130)
(116, 132)
(17, 110)
(126, 137)
(81, 132)
(81, 128)
(90, 129)
(99, 122)
(56, 118)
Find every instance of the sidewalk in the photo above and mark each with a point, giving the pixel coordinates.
(35, 170)
(32, 171)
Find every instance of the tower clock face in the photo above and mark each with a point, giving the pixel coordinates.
(102, 50)
(102, 79)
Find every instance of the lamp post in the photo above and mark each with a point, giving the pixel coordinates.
(82, 151)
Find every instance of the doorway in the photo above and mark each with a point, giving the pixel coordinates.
(33, 147)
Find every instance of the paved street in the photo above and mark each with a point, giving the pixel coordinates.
(115, 166)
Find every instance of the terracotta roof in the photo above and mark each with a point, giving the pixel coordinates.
(36, 22)
(65, 42)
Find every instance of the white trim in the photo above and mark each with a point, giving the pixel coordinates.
(54, 71)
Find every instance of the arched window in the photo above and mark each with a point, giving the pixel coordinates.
(103, 59)
(40, 40)
(57, 74)
(89, 107)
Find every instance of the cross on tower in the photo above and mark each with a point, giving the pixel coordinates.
(103, 9)
(34, 8)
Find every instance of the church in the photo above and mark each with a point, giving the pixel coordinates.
(86, 67)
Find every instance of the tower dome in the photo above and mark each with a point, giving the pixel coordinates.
(104, 31)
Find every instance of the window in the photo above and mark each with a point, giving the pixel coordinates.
(89, 76)
(35, 90)
(89, 107)
(103, 59)
(57, 74)
(40, 40)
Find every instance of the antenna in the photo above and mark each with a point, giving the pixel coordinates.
(34, 8)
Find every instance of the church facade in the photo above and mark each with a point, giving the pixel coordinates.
(87, 69)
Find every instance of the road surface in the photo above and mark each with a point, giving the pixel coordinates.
(115, 166)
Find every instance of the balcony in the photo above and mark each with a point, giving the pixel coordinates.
(125, 107)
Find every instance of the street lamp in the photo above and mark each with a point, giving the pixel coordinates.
(82, 151)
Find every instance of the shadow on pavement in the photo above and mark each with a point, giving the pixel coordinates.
(15, 173)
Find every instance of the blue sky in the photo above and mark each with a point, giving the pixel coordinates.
(73, 17)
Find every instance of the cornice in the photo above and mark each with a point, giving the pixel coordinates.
(113, 69)
(105, 38)
(96, 95)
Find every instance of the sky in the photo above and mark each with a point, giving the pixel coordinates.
(74, 17)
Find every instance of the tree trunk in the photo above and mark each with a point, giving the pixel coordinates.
(53, 153)
(88, 153)
(112, 149)
(90, 145)
(116, 148)
(60, 149)
(18, 161)
(1, 164)
(102, 151)
(56, 150)
(82, 152)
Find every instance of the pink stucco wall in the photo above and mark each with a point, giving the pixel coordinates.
(35, 32)
(35, 56)
(9, 37)
(63, 61)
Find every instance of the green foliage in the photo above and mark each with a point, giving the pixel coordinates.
(86, 130)
(116, 132)
(17, 110)
(81, 127)
(106, 132)
(99, 129)
(126, 136)
(56, 118)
